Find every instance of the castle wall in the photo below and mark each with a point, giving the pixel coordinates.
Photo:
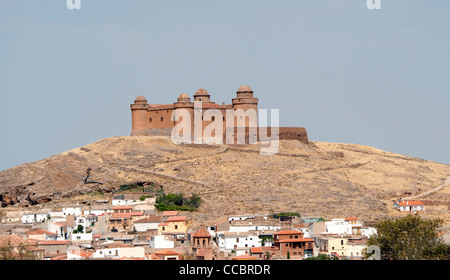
(153, 120)
(159, 118)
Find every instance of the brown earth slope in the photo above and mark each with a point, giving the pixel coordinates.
(324, 179)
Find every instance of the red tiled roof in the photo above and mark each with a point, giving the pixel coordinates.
(299, 226)
(177, 218)
(14, 240)
(203, 252)
(53, 242)
(256, 250)
(297, 240)
(121, 207)
(126, 215)
(170, 213)
(288, 232)
(351, 219)
(201, 233)
(244, 257)
(166, 252)
(151, 219)
(40, 231)
(410, 203)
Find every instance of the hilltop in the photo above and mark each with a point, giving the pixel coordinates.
(323, 179)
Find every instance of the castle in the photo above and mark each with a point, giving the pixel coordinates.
(157, 119)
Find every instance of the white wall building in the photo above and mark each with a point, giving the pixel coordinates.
(338, 226)
(120, 252)
(162, 242)
(72, 210)
(150, 223)
(409, 206)
(229, 241)
(368, 231)
(247, 228)
(82, 237)
(34, 217)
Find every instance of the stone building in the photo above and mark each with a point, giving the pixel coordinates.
(161, 119)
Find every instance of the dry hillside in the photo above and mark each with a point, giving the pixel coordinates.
(324, 179)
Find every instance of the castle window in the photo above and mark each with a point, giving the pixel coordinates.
(162, 118)
(213, 118)
(150, 119)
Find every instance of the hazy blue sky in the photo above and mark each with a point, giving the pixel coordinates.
(346, 73)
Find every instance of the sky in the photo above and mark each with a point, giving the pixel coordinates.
(346, 73)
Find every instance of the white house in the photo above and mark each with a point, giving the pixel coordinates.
(355, 248)
(72, 210)
(145, 224)
(97, 210)
(229, 241)
(250, 227)
(162, 242)
(60, 229)
(119, 252)
(85, 221)
(34, 217)
(57, 216)
(409, 206)
(338, 226)
(82, 236)
(126, 199)
(240, 217)
(368, 231)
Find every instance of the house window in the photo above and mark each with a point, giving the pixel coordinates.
(176, 227)
(163, 228)
(213, 118)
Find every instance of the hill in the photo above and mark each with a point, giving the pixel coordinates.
(323, 179)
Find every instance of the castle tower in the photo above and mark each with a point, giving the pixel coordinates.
(139, 114)
(244, 100)
(202, 95)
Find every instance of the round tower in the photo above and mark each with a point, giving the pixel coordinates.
(246, 114)
(202, 95)
(244, 100)
(139, 114)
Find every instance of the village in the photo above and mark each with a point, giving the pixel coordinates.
(130, 227)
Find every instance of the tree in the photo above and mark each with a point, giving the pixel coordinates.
(409, 238)
(21, 251)
(80, 229)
